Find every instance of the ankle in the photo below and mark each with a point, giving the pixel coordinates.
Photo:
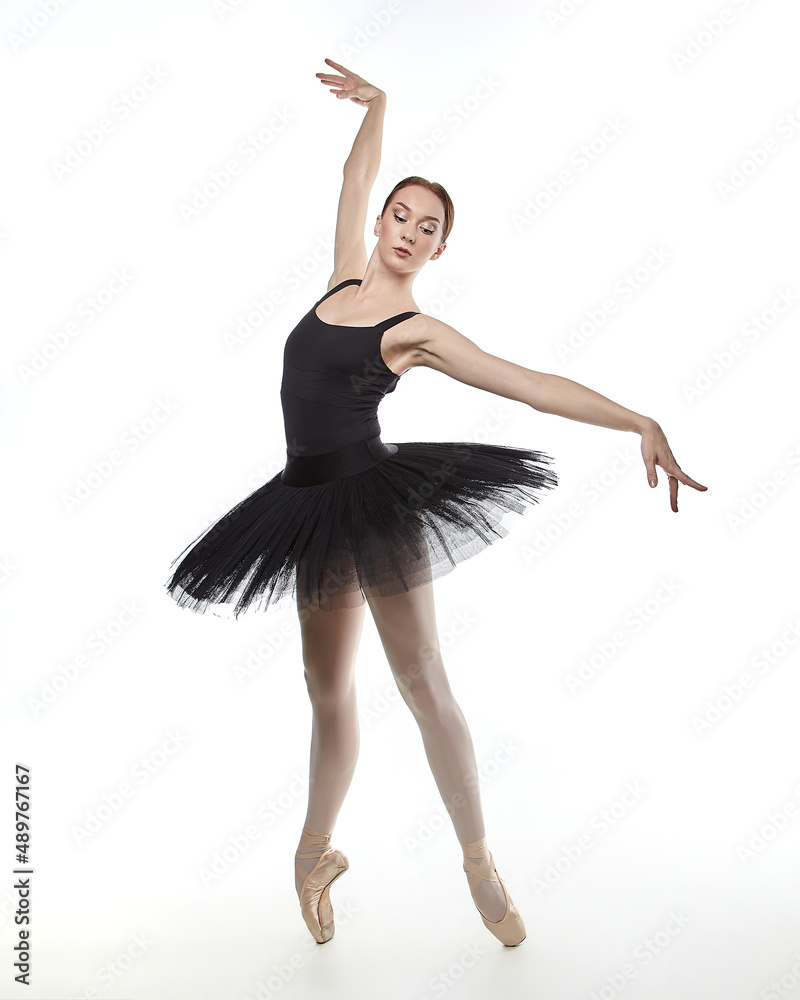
(311, 839)
(474, 846)
(478, 852)
(313, 844)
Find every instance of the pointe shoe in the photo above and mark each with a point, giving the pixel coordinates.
(315, 902)
(511, 929)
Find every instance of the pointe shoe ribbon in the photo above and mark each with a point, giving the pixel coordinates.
(511, 929)
(315, 901)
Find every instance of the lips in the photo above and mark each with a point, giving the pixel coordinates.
(402, 251)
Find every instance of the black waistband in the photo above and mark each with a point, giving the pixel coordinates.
(311, 470)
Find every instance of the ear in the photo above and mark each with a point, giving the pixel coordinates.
(377, 230)
(439, 252)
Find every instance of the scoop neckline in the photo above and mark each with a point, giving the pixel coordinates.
(347, 326)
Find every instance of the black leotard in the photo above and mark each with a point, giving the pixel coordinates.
(334, 377)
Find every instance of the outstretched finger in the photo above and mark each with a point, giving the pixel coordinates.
(673, 493)
(336, 65)
(333, 81)
(690, 482)
(678, 473)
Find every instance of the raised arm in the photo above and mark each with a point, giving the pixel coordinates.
(360, 170)
(439, 346)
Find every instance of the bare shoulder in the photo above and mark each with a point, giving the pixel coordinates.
(437, 345)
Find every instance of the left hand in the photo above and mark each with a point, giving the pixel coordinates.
(656, 451)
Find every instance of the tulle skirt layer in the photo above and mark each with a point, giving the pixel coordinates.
(409, 519)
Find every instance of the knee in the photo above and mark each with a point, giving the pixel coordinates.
(427, 694)
(329, 689)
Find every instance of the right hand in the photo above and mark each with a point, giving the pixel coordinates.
(350, 85)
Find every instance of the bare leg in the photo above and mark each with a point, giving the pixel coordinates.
(406, 624)
(330, 641)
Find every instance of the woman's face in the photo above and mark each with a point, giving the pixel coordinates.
(413, 221)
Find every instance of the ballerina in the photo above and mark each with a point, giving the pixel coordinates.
(353, 521)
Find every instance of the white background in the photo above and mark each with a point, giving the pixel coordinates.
(702, 168)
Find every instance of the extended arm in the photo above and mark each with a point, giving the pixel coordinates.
(439, 346)
(365, 157)
(360, 170)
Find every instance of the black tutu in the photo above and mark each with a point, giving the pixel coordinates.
(401, 523)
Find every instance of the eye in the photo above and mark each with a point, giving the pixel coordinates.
(428, 232)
